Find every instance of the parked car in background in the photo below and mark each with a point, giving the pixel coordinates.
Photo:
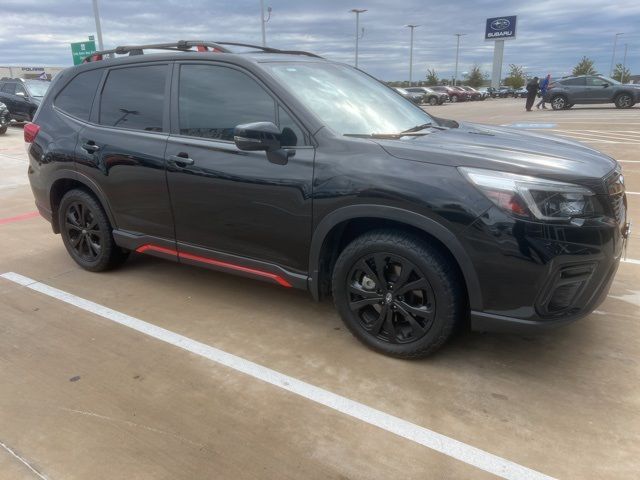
(416, 98)
(520, 92)
(589, 89)
(4, 118)
(505, 91)
(454, 94)
(22, 97)
(475, 94)
(429, 96)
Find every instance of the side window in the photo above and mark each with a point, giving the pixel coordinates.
(292, 135)
(133, 98)
(76, 98)
(596, 82)
(212, 100)
(574, 82)
(20, 90)
(9, 88)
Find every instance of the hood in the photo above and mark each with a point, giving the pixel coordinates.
(505, 149)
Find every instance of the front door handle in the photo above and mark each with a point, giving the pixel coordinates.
(182, 159)
(90, 147)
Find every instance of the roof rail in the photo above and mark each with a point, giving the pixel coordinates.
(185, 46)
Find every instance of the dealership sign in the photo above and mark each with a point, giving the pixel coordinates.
(81, 50)
(500, 28)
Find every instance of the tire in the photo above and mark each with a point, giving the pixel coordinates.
(559, 102)
(433, 101)
(624, 100)
(87, 233)
(3, 129)
(401, 323)
(454, 98)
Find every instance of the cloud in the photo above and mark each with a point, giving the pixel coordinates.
(552, 35)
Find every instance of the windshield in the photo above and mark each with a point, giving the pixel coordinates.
(348, 101)
(37, 88)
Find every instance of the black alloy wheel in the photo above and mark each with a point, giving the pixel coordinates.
(397, 293)
(83, 231)
(624, 100)
(87, 233)
(559, 102)
(391, 298)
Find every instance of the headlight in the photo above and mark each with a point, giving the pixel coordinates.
(533, 198)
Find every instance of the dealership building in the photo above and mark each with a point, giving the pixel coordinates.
(29, 72)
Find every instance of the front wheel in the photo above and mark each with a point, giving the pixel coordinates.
(86, 232)
(559, 102)
(433, 101)
(624, 100)
(397, 294)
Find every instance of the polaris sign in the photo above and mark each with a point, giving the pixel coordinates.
(500, 28)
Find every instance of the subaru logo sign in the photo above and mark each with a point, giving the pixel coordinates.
(500, 24)
(500, 28)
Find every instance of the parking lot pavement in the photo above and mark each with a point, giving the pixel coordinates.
(84, 397)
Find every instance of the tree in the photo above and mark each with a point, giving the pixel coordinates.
(516, 78)
(621, 73)
(475, 78)
(432, 77)
(584, 67)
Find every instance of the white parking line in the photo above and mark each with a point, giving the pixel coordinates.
(436, 441)
(631, 260)
(23, 461)
(632, 193)
(629, 161)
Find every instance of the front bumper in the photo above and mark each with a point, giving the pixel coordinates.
(534, 275)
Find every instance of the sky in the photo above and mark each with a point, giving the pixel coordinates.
(552, 34)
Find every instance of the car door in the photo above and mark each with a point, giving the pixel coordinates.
(598, 90)
(576, 89)
(121, 150)
(228, 201)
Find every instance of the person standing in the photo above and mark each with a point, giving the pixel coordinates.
(544, 86)
(532, 90)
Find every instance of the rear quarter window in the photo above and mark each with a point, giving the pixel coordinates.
(77, 97)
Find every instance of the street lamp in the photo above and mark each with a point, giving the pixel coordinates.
(96, 14)
(455, 76)
(613, 56)
(358, 11)
(624, 64)
(263, 22)
(411, 54)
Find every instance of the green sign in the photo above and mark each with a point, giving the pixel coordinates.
(81, 50)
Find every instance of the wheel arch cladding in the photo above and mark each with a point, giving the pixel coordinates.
(68, 181)
(331, 229)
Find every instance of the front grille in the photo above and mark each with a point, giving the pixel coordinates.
(617, 198)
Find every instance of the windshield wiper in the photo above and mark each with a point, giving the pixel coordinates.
(417, 128)
(392, 136)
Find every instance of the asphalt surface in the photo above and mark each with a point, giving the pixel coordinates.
(84, 394)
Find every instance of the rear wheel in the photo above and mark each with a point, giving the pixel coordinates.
(397, 294)
(433, 101)
(559, 102)
(3, 129)
(454, 98)
(86, 232)
(624, 100)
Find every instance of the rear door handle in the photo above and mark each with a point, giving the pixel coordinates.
(181, 159)
(90, 147)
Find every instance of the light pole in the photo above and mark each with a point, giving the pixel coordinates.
(613, 55)
(358, 11)
(411, 54)
(455, 76)
(263, 22)
(624, 64)
(96, 14)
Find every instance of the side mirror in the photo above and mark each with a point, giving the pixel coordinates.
(262, 136)
(257, 136)
(21, 94)
(605, 85)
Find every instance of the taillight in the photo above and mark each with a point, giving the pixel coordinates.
(31, 132)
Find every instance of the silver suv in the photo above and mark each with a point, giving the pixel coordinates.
(584, 89)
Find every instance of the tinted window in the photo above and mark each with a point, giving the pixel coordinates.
(572, 82)
(596, 82)
(134, 98)
(213, 100)
(20, 90)
(9, 88)
(291, 133)
(76, 98)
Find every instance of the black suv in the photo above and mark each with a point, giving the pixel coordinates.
(589, 89)
(306, 173)
(22, 97)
